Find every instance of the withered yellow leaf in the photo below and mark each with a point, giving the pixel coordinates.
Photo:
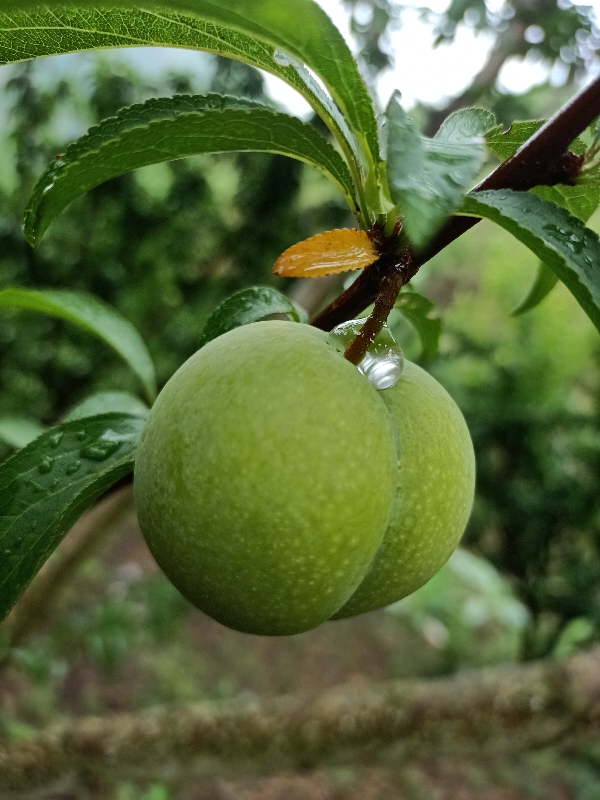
(333, 251)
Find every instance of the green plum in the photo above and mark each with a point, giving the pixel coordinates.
(277, 488)
(266, 477)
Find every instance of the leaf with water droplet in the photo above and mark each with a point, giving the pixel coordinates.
(581, 201)
(428, 177)
(99, 451)
(560, 240)
(383, 362)
(168, 128)
(38, 508)
(282, 59)
(505, 144)
(46, 465)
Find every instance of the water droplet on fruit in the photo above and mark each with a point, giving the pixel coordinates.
(73, 467)
(46, 465)
(281, 58)
(383, 363)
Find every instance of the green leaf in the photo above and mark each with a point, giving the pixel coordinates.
(558, 238)
(247, 30)
(505, 145)
(93, 316)
(45, 488)
(581, 201)
(171, 128)
(428, 177)
(108, 403)
(417, 310)
(545, 281)
(249, 305)
(19, 431)
(466, 124)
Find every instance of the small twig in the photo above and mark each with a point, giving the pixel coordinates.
(542, 160)
(391, 284)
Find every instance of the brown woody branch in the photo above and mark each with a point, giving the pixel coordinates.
(542, 160)
(508, 708)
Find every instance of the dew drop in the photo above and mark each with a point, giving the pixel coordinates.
(73, 467)
(383, 363)
(46, 465)
(7, 551)
(56, 439)
(105, 446)
(35, 487)
(571, 240)
(281, 58)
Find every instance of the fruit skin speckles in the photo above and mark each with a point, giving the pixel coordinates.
(277, 488)
(265, 449)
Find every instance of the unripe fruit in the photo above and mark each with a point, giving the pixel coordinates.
(267, 481)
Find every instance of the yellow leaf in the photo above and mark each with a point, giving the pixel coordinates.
(327, 253)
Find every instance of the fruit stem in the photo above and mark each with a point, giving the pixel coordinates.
(389, 290)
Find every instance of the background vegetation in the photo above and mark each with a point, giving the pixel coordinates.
(165, 245)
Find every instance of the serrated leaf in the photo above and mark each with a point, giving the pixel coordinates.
(94, 316)
(108, 403)
(418, 311)
(558, 238)
(466, 124)
(581, 201)
(428, 177)
(18, 432)
(170, 128)
(249, 305)
(505, 144)
(47, 485)
(246, 30)
(327, 254)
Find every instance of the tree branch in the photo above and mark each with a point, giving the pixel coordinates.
(542, 160)
(508, 708)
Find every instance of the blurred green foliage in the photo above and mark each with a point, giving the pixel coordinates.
(530, 390)
(164, 245)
